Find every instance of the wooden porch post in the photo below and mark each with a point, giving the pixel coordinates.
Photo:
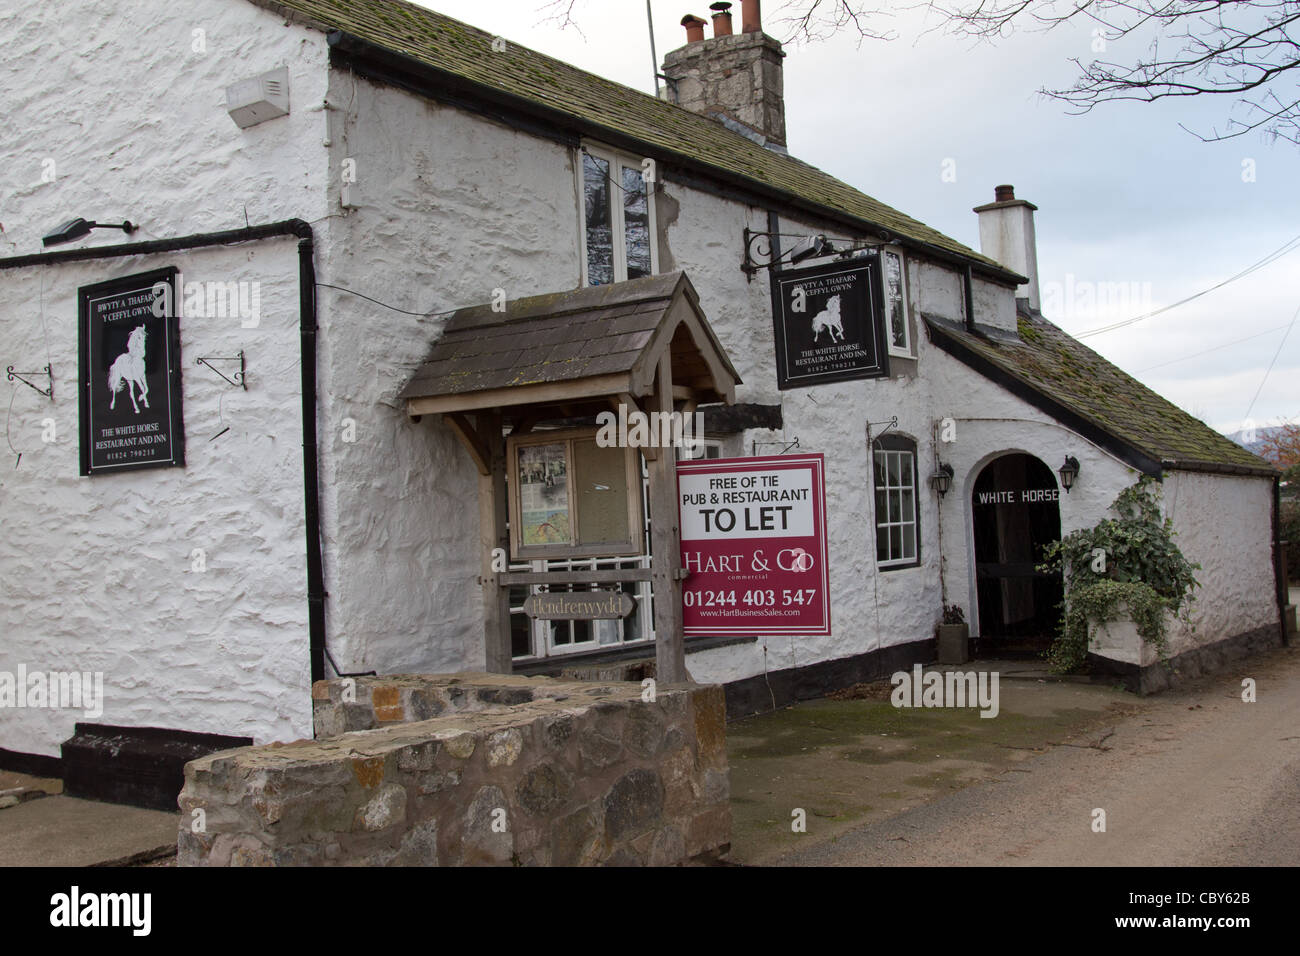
(493, 534)
(670, 651)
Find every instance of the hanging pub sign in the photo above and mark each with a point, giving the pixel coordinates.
(130, 381)
(829, 324)
(753, 534)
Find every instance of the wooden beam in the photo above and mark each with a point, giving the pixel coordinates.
(525, 424)
(610, 576)
(470, 438)
(665, 537)
(536, 393)
(493, 535)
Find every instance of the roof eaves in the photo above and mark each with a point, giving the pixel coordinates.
(998, 373)
(436, 82)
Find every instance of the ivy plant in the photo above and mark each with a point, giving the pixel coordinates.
(1128, 561)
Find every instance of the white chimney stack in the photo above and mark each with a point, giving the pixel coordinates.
(1007, 236)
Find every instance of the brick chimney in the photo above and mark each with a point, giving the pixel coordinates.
(734, 78)
(1007, 236)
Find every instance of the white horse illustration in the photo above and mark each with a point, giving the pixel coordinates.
(828, 320)
(128, 368)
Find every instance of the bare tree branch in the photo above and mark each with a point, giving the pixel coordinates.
(1240, 48)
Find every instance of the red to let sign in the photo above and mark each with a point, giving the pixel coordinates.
(754, 545)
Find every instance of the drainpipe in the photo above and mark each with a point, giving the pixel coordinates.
(970, 303)
(1279, 560)
(307, 339)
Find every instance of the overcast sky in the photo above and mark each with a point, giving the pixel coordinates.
(1126, 197)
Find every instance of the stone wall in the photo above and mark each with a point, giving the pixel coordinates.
(474, 769)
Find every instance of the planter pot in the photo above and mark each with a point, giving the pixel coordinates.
(954, 641)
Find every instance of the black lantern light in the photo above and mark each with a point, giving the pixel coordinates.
(941, 480)
(77, 228)
(1068, 472)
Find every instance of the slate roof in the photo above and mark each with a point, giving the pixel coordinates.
(666, 130)
(557, 337)
(1084, 391)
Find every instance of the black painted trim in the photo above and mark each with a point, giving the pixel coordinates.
(1191, 664)
(36, 765)
(1118, 447)
(137, 766)
(756, 695)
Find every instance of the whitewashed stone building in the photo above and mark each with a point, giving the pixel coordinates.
(389, 166)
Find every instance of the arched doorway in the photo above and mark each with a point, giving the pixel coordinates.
(1015, 506)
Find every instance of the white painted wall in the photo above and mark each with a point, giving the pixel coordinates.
(449, 207)
(124, 118)
(1224, 523)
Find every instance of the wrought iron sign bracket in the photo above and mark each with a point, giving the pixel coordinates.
(758, 249)
(48, 392)
(786, 445)
(238, 379)
(892, 423)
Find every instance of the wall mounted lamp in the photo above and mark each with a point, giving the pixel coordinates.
(941, 480)
(76, 228)
(1068, 472)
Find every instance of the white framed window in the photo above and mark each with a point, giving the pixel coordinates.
(897, 538)
(894, 277)
(618, 217)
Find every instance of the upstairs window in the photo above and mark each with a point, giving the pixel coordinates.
(896, 324)
(618, 218)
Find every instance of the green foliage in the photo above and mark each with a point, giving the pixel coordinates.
(1289, 526)
(1128, 562)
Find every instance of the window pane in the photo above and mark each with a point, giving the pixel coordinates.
(880, 468)
(894, 480)
(907, 505)
(600, 248)
(895, 542)
(895, 505)
(882, 544)
(894, 307)
(636, 223)
(906, 469)
(909, 541)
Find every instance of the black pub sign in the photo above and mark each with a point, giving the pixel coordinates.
(829, 324)
(130, 365)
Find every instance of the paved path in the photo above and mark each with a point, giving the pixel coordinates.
(65, 831)
(1197, 778)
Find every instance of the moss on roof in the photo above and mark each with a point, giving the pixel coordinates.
(1070, 374)
(665, 128)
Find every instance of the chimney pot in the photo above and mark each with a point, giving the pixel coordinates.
(1004, 193)
(694, 28)
(751, 16)
(721, 18)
